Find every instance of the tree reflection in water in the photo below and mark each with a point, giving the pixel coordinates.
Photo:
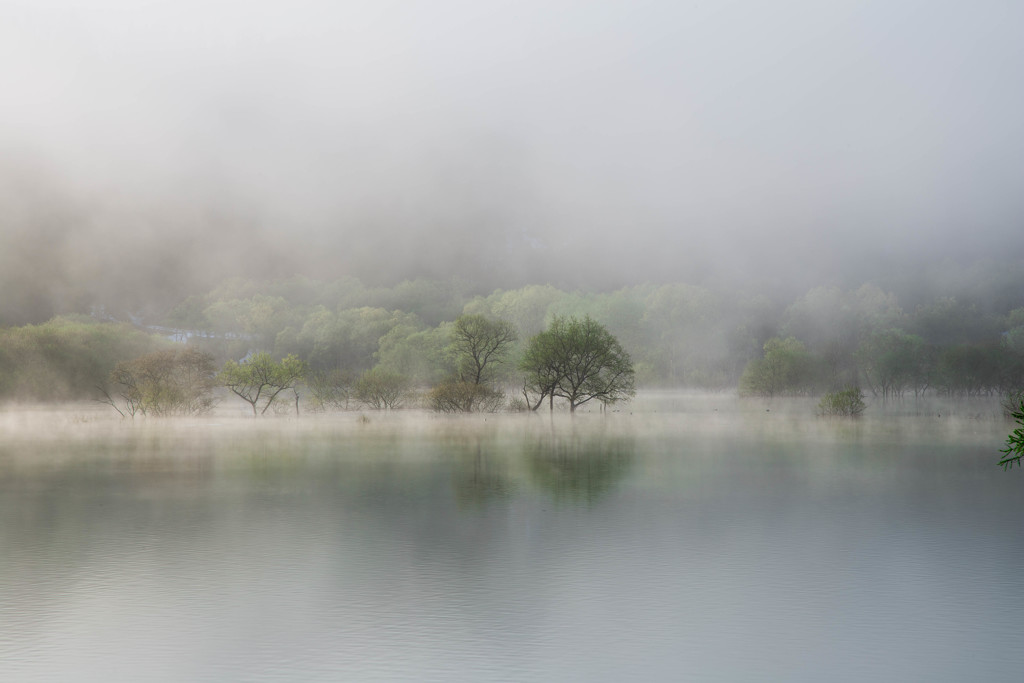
(576, 468)
(480, 478)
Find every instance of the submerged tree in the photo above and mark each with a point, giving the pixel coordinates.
(894, 361)
(381, 389)
(261, 379)
(330, 390)
(164, 383)
(479, 347)
(786, 368)
(454, 396)
(848, 402)
(578, 360)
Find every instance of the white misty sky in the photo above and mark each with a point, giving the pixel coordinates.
(724, 129)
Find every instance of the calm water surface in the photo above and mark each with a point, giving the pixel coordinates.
(692, 539)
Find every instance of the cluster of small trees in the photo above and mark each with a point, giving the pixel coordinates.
(677, 334)
(66, 358)
(891, 363)
(169, 382)
(945, 346)
(575, 360)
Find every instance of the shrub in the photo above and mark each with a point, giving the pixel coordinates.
(330, 390)
(786, 369)
(381, 389)
(164, 383)
(848, 402)
(518, 405)
(465, 397)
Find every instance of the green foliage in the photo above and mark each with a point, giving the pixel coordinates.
(422, 355)
(455, 396)
(1014, 450)
(969, 342)
(849, 402)
(972, 369)
(894, 361)
(381, 389)
(949, 321)
(330, 390)
(579, 361)
(348, 338)
(527, 308)
(833, 324)
(480, 346)
(682, 335)
(786, 369)
(66, 358)
(171, 382)
(261, 379)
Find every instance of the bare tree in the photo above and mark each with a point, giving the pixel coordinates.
(480, 345)
(163, 383)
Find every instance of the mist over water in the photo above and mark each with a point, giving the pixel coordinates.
(832, 172)
(700, 536)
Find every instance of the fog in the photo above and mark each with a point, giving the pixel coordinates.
(149, 150)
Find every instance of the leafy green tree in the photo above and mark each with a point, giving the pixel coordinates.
(348, 338)
(381, 389)
(542, 366)
(261, 379)
(894, 361)
(330, 389)
(67, 358)
(478, 348)
(786, 368)
(971, 369)
(948, 322)
(684, 336)
(579, 361)
(422, 355)
(526, 308)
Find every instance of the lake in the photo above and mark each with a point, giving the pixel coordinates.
(684, 537)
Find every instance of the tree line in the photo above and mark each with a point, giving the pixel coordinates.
(377, 346)
(574, 360)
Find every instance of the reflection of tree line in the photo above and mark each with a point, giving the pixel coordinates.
(570, 468)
